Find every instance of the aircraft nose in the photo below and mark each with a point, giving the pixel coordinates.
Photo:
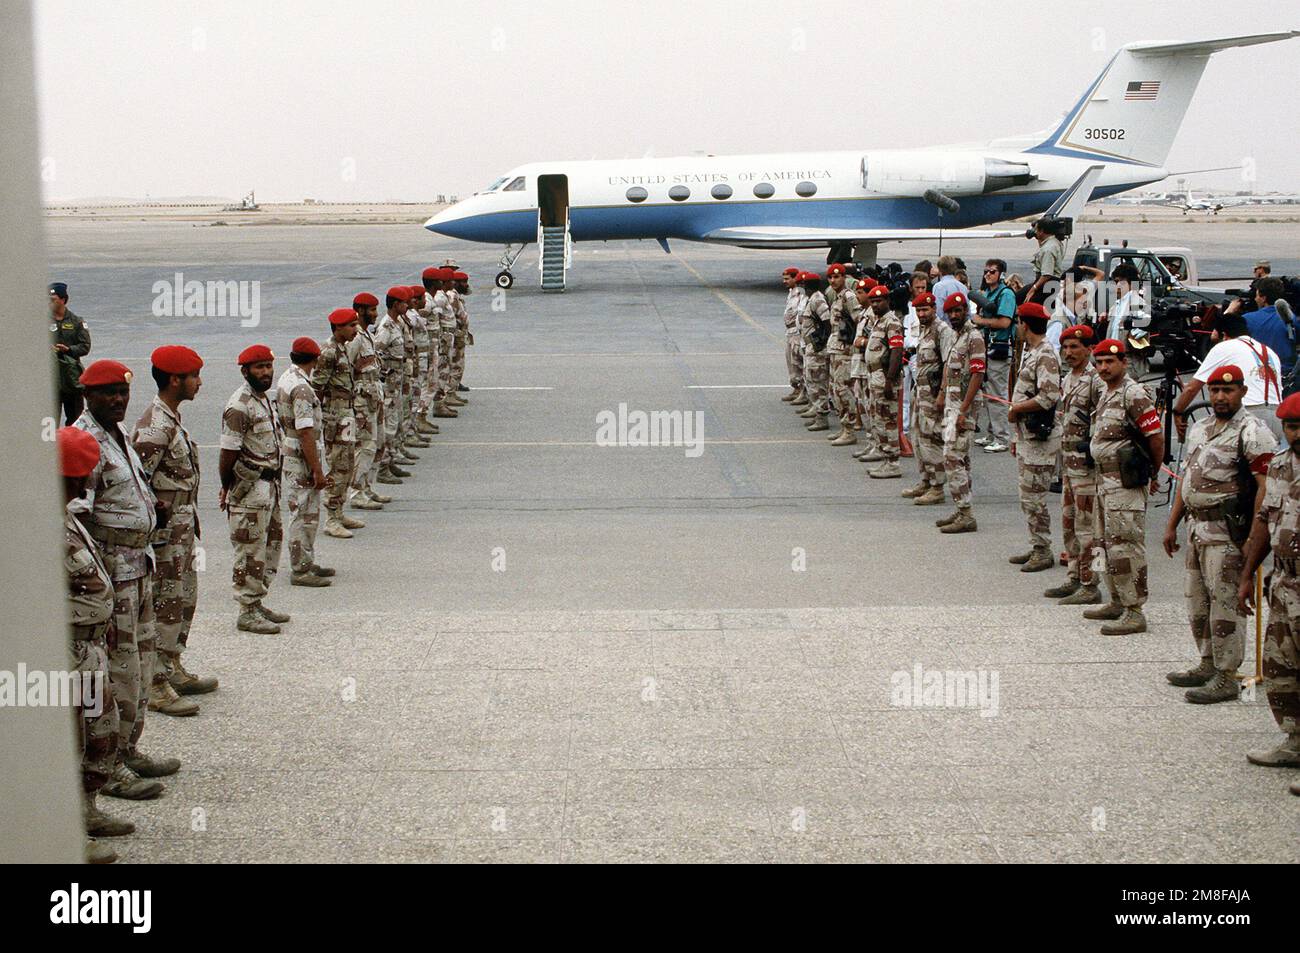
(444, 218)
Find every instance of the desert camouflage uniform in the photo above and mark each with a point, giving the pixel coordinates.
(429, 387)
(934, 343)
(335, 384)
(845, 312)
(390, 349)
(1080, 394)
(1214, 561)
(1281, 513)
(410, 362)
(816, 368)
(369, 407)
(1040, 379)
(793, 341)
(171, 461)
(91, 602)
(444, 306)
(423, 344)
(251, 425)
(1123, 511)
(460, 340)
(298, 407)
(883, 333)
(965, 360)
(120, 516)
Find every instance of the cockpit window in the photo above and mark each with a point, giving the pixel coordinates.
(516, 185)
(496, 185)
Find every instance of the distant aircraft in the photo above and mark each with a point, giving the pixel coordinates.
(850, 201)
(1191, 205)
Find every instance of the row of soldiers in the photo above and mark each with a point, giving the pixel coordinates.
(1239, 489)
(347, 413)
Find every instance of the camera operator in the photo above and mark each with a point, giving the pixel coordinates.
(1048, 261)
(1267, 324)
(1260, 367)
(996, 321)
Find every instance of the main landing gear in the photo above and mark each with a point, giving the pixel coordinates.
(504, 278)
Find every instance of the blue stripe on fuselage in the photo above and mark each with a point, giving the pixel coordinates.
(692, 221)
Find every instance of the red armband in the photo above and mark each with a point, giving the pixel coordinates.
(977, 366)
(1260, 463)
(1149, 423)
(896, 341)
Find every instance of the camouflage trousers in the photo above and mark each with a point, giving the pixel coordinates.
(458, 359)
(927, 441)
(956, 456)
(794, 359)
(1282, 649)
(175, 589)
(431, 377)
(428, 381)
(256, 534)
(303, 500)
(883, 415)
(1079, 527)
(446, 347)
(1123, 530)
(838, 373)
(97, 733)
(392, 416)
(816, 381)
(340, 464)
(1212, 573)
(370, 431)
(414, 398)
(405, 418)
(130, 658)
(1036, 461)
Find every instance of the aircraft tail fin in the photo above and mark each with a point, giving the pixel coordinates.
(1133, 110)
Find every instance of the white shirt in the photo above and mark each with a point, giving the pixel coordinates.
(1244, 351)
(1131, 302)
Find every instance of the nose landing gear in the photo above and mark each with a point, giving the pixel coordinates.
(504, 278)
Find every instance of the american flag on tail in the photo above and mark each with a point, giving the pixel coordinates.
(1144, 90)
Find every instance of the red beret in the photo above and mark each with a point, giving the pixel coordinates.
(176, 359)
(1227, 374)
(867, 283)
(430, 273)
(105, 373)
(400, 292)
(415, 291)
(460, 276)
(923, 299)
(365, 298)
(255, 354)
(791, 273)
(305, 345)
(836, 269)
(809, 276)
(954, 302)
(1289, 409)
(876, 292)
(1109, 348)
(78, 452)
(1032, 309)
(446, 274)
(342, 316)
(1080, 331)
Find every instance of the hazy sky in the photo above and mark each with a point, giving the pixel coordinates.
(379, 100)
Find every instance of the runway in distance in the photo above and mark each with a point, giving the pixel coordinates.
(850, 201)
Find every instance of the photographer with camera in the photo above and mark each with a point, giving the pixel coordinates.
(1127, 445)
(1260, 366)
(1038, 435)
(996, 318)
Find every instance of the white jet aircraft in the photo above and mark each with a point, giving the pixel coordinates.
(1116, 137)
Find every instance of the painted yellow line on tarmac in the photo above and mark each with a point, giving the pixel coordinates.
(726, 299)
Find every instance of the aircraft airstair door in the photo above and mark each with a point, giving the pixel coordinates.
(553, 230)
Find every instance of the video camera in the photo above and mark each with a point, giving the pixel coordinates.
(1062, 227)
(1171, 326)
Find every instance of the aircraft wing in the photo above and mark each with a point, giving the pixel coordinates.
(790, 236)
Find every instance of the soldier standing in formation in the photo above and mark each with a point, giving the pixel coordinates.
(303, 468)
(963, 374)
(251, 457)
(793, 340)
(462, 338)
(391, 351)
(1128, 446)
(369, 406)
(934, 343)
(1038, 434)
(882, 358)
(815, 320)
(844, 321)
(1277, 528)
(335, 382)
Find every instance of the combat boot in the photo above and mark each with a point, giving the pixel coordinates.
(1285, 755)
(424, 427)
(97, 853)
(334, 527)
(269, 613)
(888, 470)
(442, 410)
(793, 395)
(125, 784)
(147, 766)
(931, 497)
(163, 699)
(455, 400)
(351, 522)
(1021, 558)
(378, 497)
(1040, 560)
(837, 434)
(1067, 588)
(1086, 596)
(398, 471)
(388, 477)
(818, 422)
(360, 502)
(250, 620)
(808, 412)
(912, 492)
(99, 824)
(1111, 610)
(1193, 677)
(846, 438)
(404, 454)
(308, 579)
(800, 401)
(1130, 623)
(323, 571)
(186, 682)
(945, 520)
(859, 454)
(1221, 688)
(875, 455)
(963, 523)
